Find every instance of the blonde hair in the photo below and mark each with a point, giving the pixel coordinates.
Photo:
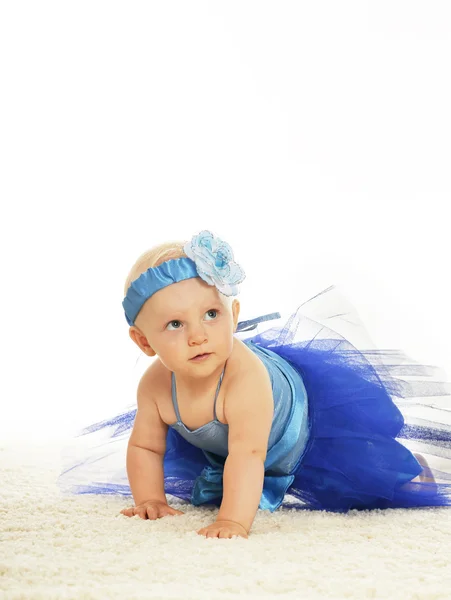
(155, 257)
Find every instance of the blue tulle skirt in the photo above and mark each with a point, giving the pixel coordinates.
(380, 427)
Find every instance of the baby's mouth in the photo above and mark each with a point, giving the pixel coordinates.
(202, 354)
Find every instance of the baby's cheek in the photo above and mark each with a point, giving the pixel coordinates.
(169, 360)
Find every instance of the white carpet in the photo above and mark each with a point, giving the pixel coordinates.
(55, 547)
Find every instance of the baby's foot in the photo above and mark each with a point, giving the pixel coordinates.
(426, 474)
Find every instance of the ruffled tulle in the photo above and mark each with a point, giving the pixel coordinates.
(370, 412)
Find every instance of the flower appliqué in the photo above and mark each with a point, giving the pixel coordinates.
(214, 262)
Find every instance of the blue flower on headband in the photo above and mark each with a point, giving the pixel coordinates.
(214, 262)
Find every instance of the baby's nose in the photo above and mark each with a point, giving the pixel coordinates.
(197, 335)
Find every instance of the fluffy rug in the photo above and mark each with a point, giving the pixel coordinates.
(56, 547)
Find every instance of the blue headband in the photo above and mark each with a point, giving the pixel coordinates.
(207, 257)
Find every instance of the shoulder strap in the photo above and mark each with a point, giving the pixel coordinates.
(217, 392)
(174, 398)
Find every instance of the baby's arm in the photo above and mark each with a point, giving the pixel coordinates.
(145, 453)
(249, 409)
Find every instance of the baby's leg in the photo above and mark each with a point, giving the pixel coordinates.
(425, 474)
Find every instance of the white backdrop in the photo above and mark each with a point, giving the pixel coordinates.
(314, 137)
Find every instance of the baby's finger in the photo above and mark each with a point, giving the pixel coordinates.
(212, 533)
(152, 513)
(141, 512)
(225, 533)
(128, 512)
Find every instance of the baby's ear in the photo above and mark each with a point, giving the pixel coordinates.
(140, 340)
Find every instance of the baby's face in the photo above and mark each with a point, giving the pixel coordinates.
(189, 318)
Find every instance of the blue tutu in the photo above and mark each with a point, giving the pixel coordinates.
(369, 412)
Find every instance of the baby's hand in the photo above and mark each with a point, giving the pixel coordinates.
(223, 529)
(151, 509)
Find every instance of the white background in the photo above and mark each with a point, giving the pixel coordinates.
(314, 137)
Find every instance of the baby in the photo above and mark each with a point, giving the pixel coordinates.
(187, 319)
(242, 424)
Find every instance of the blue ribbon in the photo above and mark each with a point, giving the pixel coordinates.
(251, 324)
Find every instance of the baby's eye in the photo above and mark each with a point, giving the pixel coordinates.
(174, 325)
(214, 311)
